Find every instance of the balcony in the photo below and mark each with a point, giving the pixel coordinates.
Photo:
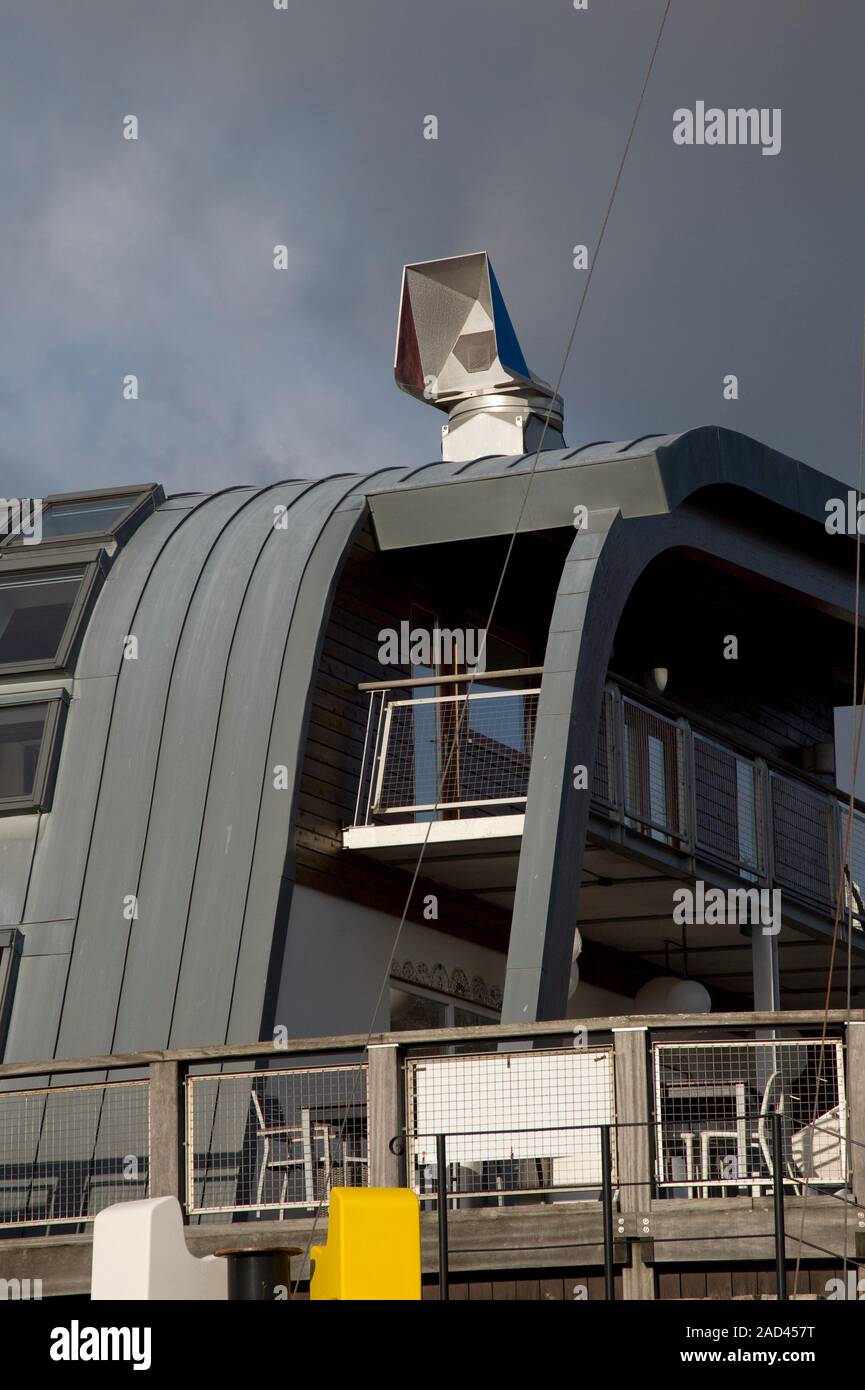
(449, 768)
(445, 767)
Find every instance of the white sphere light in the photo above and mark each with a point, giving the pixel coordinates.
(668, 995)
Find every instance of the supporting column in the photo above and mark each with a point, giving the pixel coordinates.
(384, 1110)
(767, 995)
(764, 970)
(634, 1149)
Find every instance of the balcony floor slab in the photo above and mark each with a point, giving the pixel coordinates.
(376, 838)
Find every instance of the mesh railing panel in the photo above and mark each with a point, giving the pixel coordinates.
(803, 839)
(727, 806)
(67, 1152)
(713, 1108)
(653, 772)
(514, 1122)
(274, 1140)
(604, 792)
(489, 765)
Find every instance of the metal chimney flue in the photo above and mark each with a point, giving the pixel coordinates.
(456, 348)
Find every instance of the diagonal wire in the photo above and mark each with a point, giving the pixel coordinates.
(505, 565)
(859, 705)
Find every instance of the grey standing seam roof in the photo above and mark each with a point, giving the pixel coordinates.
(165, 790)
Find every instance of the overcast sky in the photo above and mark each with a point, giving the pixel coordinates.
(305, 127)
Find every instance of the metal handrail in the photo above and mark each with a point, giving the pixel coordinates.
(449, 679)
(402, 782)
(221, 1053)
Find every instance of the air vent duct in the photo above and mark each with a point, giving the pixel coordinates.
(456, 348)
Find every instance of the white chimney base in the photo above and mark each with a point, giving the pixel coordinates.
(501, 425)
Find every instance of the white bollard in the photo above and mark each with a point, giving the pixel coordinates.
(139, 1252)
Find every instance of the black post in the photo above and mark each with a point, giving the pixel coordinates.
(259, 1275)
(442, 1190)
(778, 1174)
(607, 1193)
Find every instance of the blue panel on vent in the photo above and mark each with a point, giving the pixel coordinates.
(510, 352)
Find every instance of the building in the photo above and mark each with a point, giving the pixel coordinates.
(231, 723)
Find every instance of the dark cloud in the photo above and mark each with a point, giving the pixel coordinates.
(305, 128)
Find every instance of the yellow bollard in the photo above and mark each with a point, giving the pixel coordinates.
(373, 1246)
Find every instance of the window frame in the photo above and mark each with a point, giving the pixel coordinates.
(93, 570)
(40, 796)
(11, 950)
(450, 1002)
(144, 498)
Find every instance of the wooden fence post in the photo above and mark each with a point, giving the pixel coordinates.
(384, 1114)
(166, 1130)
(634, 1148)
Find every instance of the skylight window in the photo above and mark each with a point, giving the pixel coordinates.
(37, 613)
(21, 732)
(98, 516)
(30, 729)
(87, 517)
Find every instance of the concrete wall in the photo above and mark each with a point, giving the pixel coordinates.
(336, 956)
(337, 953)
(591, 1001)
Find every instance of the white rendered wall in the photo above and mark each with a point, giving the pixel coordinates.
(337, 952)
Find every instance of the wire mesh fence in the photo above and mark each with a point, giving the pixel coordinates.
(467, 751)
(517, 1122)
(728, 809)
(604, 789)
(654, 773)
(714, 1104)
(805, 839)
(67, 1152)
(274, 1140)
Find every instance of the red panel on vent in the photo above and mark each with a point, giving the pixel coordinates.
(409, 369)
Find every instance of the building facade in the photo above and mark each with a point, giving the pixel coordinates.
(233, 722)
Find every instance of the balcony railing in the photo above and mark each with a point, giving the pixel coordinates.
(66, 1152)
(434, 750)
(430, 755)
(274, 1141)
(516, 1122)
(714, 1103)
(522, 1108)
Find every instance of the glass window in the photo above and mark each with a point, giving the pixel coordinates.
(83, 518)
(34, 612)
(11, 943)
(416, 1007)
(501, 721)
(21, 731)
(86, 517)
(409, 1010)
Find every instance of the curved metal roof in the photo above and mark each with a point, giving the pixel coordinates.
(165, 797)
(165, 791)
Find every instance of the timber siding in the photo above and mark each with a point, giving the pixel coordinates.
(377, 590)
(771, 700)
